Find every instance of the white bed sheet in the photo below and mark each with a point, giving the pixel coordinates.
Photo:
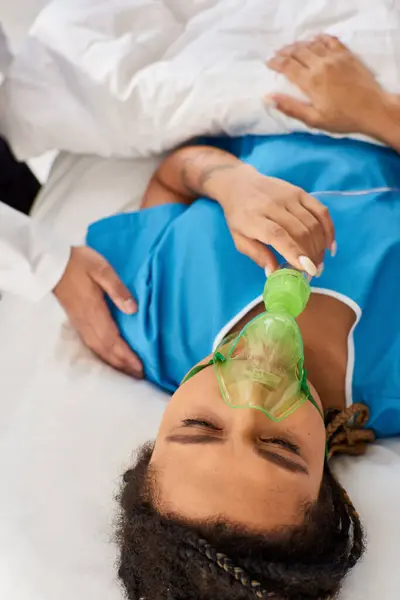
(68, 425)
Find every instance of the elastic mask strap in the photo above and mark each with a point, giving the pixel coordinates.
(304, 388)
(196, 370)
(217, 357)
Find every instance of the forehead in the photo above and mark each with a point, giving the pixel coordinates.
(215, 487)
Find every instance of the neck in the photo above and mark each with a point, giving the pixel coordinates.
(325, 326)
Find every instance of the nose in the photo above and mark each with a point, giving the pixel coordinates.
(247, 424)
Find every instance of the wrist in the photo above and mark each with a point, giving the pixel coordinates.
(385, 124)
(225, 182)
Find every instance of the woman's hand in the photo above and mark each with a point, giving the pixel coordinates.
(263, 211)
(260, 211)
(80, 291)
(344, 95)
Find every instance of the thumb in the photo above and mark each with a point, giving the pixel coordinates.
(257, 251)
(105, 276)
(302, 111)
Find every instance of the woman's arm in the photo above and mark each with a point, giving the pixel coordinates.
(260, 211)
(193, 172)
(344, 96)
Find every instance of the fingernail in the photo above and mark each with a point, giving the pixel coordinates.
(267, 271)
(270, 102)
(320, 270)
(308, 265)
(334, 249)
(130, 306)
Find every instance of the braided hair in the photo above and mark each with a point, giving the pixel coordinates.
(165, 558)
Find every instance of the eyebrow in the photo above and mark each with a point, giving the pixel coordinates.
(281, 461)
(266, 454)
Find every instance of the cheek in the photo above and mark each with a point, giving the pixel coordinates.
(309, 428)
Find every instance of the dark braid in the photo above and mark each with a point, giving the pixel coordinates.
(237, 573)
(226, 564)
(345, 438)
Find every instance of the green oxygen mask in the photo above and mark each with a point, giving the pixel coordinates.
(262, 366)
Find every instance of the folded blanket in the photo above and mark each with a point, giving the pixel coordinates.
(137, 77)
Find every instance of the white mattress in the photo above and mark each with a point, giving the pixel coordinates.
(68, 426)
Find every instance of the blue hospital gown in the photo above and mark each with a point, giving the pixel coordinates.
(191, 282)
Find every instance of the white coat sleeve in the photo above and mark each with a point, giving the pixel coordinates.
(32, 259)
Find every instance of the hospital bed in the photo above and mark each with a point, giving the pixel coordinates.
(69, 426)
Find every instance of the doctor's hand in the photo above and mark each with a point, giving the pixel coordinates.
(264, 211)
(344, 96)
(80, 291)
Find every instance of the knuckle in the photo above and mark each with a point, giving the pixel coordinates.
(275, 231)
(331, 62)
(317, 74)
(103, 269)
(323, 211)
(304, 239)
(314, 225)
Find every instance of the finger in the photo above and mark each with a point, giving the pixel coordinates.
(321, 213)
(118, 355)
(257, 251)
(294, 108)
(100, 333)
(288, 66)
(292, 52)
(129, 361)
(108, 280)
(303, 53)
(273, 234)
(331, 42)
(318, 48)
(314, 228)
(310, 245)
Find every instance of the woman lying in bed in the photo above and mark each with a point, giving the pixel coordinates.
(226, 503)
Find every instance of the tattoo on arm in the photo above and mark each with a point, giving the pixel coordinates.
(197, 184)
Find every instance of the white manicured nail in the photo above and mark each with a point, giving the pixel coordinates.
(267, 271)
(334, 249)
(308, 265)
(320, 270)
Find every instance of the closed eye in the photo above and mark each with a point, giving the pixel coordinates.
(200, 423)
(283, 443)
(209, 437)
(293, 448)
